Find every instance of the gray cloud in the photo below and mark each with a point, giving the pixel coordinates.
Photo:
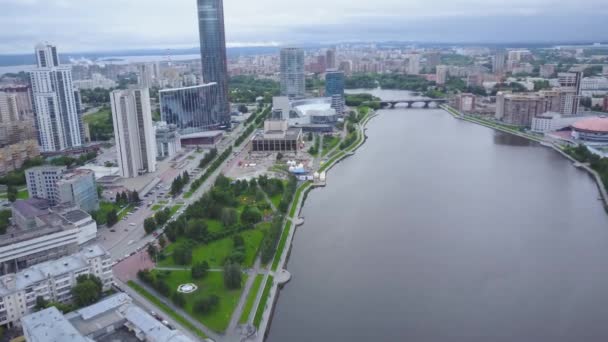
(87, 25)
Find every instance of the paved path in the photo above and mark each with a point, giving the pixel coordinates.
(232, 333)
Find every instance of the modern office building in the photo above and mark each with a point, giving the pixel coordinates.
(293, 80)
(59, 123)
(58, 186)
(281, 107)
(213, 51)
(413, 65)
(191, 109)
(519, 109)
(498, 62)
(441, 74)
(133, 131)
(97, 80)
(168, 140)
(330, 59)
(114, 318)
(52, 280)
(334, 88)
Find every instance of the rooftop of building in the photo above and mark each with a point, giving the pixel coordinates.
(593, 125)
(291, 133)
(154, 330)
(32, 207)
(76, 215)
(170, 90)
(47, 168)
(205, 134)
(49, 325)
(75, 174)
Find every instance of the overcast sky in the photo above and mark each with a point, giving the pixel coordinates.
(95, 25)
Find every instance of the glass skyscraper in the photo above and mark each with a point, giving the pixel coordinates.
(293, 80)
(334, 83)
(213, 51)
(191, 109)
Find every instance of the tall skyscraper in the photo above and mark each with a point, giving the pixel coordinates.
(213, 50)
(191, 109)
(441, 74)
(570, 85)
(293, 81)
(413, 67)
(59, 123)
(498, 62)
(330, 59)
(145, 75)
(334, 88)
(133, 131)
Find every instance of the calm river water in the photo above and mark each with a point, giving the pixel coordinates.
(441, 230)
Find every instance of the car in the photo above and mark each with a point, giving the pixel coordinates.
(126, 256)
(164, 322)
(113, 230)
(126, 229)
(155, 234)
(132, 224)
(130, 242)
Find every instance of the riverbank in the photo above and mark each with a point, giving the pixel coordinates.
(598, 180)
(279, 275)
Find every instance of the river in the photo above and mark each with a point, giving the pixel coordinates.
(442, 230)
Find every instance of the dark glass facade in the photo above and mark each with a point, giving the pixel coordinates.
(191, 109)
(334, 83)
(213, 51)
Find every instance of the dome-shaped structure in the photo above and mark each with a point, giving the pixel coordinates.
(591, 129)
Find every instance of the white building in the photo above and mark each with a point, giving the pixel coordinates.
(59, 123)
(52, 280)
(413, 66)
(97, 81)
(168, 140)
(133, 131)
(145, 75)
(551, 122)
(281, 106)
(293, 80)
(105, 320)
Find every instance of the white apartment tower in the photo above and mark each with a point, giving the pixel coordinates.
(59, 123)
(413, 67)
(293, 81)
(133, 131)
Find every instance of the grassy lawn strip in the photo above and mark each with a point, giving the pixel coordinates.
(175, 208)
(329, 142)
(251, 298)
(157, 207)
(213, 283)
(166, 309)
(296, 198)
(259, 312)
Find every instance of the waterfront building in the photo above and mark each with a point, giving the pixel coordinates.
(168, 140)
(191, 109)
(465, 102)
(293, 81)
(547, 70)
(591, 130)
(441, 74)
(58, 121)
(551, 122)
(330, 59)
(52, 280)
(277, 137)
(334, 88)
(498, 62)
(59, 186)
(114, 318)
(133, 132)
(570, 83)
(519, 109)
(213, 51)
(413, 66)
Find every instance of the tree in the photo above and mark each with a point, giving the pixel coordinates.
(232, 276)
(251, 215)
(162, 242)
(135, 197)
(111, 218)
(238, 241)
(41, 303)
(152, 251)
(206, 305)
(149, 225)
(87, 290)
(200, 270)
(197, 230)
(243, 109)
(182, 254)
(11, 192)
(230, 217)
(178, 299)
(279, 156)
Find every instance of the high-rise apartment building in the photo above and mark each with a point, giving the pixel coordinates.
(133, 131)
(334, 88)
(441, 74)
(413, 66)
(498, 62)
(191, 109)
(213, 51)
(59, 123)
(519, 109)
(18, 136)
(570, 84)
(293, 81)
(58, 186)
(145, 75)
(330, 59)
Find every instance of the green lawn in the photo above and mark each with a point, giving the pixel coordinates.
(166, 309)
(21, 195)
(156, 207)
(214, 226)
(216, 252)
(191, 157)
(276, 199)
(175, 208)
(329, 142)
(253, 293)
(259, 312)
(213, 283)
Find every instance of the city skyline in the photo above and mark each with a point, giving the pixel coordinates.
(104, 28)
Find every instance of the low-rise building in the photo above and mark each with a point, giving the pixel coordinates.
(115, 318)
(168, 140)
(551, 122)
(52, 280)
(277, 137)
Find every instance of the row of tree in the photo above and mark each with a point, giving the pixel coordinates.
(179, 183)
(158, 220)
(214, 166)
(127, 197)
(208, 158)
(597, 163)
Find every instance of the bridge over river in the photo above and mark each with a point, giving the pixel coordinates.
(392, 103)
